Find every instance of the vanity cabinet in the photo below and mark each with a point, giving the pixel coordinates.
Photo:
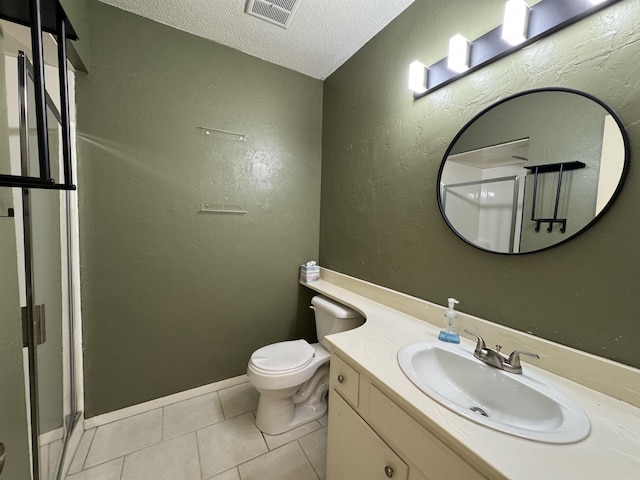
(372, 437)
(354, 451)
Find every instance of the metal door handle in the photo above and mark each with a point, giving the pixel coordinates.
(39, 325)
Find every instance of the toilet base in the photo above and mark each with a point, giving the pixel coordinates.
(304, 414)
(279, 415)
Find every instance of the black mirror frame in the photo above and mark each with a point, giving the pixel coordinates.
(625, 169)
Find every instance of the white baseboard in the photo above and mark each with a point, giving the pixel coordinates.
(161, 402)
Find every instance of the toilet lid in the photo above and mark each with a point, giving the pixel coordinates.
(283, 355)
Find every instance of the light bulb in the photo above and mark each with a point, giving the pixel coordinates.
(418, 77)
(516, 21)
(458, 60)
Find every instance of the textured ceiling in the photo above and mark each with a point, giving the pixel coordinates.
(322, 35)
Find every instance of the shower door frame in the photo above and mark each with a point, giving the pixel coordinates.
(514, 204)
(25, 72)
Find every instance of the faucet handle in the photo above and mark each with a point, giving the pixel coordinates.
(480, 345)
(514, 358)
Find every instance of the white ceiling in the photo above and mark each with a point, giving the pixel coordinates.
(323, 34)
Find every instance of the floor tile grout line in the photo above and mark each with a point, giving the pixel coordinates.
(202, 427)
(224, 414)
(127, 453)
(122, 468)
(194, 432)
(170, 404)
(318, 427)
(101, 463)
(162, 437)
(199, 455)
(225, 471)
(221, 408)
(262, 455)
(313, 469)
(136, 451)
(93, 437)
(304, 452)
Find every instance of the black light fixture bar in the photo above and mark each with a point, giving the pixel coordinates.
(545, 18)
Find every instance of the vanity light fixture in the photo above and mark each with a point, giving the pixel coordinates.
(458, 60)
(540, 20)
(418, 77)
(516, 22)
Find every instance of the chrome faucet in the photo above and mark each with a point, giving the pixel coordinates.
(494, 358)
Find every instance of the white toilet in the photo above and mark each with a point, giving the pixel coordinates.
(293, 377)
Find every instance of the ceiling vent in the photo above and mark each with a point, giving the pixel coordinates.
(278, 12)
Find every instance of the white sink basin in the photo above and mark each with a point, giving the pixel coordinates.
(524, 405)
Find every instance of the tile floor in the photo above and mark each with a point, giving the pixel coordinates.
(210, 437)
(49, 454)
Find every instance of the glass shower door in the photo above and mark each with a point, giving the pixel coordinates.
(35, 285)
(45, 216)
(48, 311)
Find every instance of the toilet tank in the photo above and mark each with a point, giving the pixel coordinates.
(332, 317)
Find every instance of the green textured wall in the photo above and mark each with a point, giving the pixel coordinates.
(381, 153)
(173, 298)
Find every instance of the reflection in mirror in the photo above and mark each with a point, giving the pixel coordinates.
(532, 170)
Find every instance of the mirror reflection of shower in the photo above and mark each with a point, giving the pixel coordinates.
(483, 194)
(578, 155)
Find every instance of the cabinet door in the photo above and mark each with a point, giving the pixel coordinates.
(354, 450)
(345, 379)
(418, 446)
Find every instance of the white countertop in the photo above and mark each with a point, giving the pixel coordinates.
(611, 451)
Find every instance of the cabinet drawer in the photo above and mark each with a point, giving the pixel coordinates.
(354, 451)
(417, 445)
(345, 380)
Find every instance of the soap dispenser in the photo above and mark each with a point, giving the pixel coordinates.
(448, 332)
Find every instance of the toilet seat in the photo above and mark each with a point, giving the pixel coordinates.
(308, 360)
(282, 357)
